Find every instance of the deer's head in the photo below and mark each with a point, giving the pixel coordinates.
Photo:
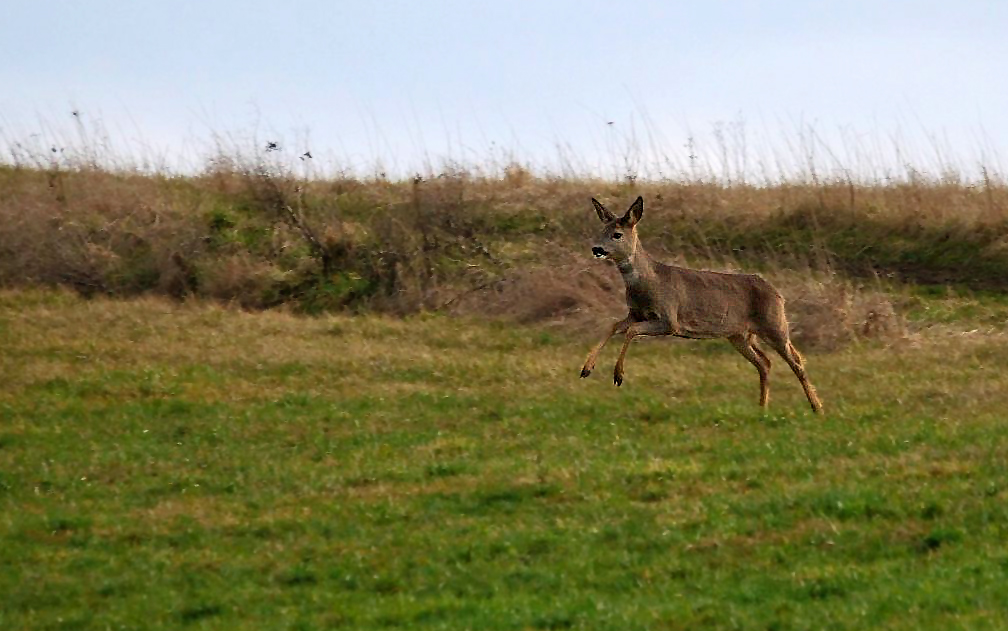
(618, 240)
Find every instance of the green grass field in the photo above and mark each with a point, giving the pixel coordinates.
(174, 466)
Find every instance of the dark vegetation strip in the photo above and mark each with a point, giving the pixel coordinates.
(243, 234)
(857, 244)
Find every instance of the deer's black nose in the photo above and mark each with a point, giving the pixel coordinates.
(598, 252)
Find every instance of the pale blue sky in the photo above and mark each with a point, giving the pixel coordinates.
(358, 82)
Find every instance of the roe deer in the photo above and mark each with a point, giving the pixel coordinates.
(697, 304)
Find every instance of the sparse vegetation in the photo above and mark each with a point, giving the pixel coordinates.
(248, 233)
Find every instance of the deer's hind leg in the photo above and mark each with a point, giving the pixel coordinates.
(782, 344)
(746, 345)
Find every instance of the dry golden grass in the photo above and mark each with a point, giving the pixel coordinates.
(513, 246)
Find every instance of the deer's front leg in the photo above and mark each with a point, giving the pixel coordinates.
(589, 364)
(651, 327)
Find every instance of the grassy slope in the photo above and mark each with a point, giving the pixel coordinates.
(407, 246)
(166, 466)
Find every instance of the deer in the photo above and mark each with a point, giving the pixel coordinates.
(694, 304)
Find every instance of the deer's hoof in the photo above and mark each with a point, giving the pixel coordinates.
(618, 378)
(585, 372)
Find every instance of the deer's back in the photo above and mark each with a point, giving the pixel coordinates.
(717, 304)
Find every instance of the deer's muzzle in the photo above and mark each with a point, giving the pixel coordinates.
(599, 252)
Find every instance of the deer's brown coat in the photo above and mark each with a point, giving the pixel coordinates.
(697, 304)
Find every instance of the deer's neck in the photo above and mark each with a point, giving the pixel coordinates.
(638, 268)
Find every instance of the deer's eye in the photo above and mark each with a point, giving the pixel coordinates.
(617, 236)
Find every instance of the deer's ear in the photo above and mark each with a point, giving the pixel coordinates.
(604, 215)
(634, 213)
